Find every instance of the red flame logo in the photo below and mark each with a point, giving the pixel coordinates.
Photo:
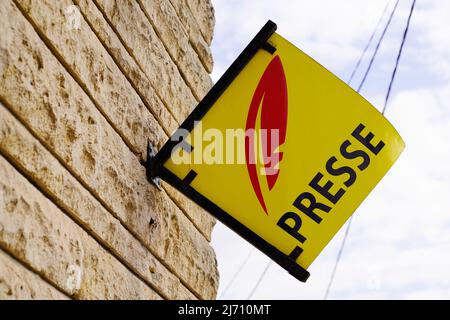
(270, 100)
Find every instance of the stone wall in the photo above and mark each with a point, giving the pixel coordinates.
(84, 85)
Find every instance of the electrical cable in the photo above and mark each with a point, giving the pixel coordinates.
(347, 231)
(238, 271)
(358, 90)
(369, 42)
(372, 59)
(261, 277)
(338, 258)
(405, 33)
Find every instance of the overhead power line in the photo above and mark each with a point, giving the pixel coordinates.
(405, 33)
(372, 59)
(258, 282)
(238, 271)
(394, 72)
(369, 42)
(369, 67)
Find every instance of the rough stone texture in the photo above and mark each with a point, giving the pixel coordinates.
(204, 13)
(144, 45)
(195, 36)
(95, 70)
(202, 220)
(37, 164)
(51, 104)
(126, 63)
(35, 231)
(49, 18)
(19, 283)
(164, 20)
(196, 214)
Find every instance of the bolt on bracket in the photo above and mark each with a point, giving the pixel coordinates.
(149, 166)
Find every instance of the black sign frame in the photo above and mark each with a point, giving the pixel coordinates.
(155, 165)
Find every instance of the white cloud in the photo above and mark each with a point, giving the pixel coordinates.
(400, 238)
(432, 22)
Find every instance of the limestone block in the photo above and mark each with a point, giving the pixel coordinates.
(38, 165)
(199, 217)
(126, 63)
(195, 35)
(19, 283)
(142, 42)
(164, 20)
(39, 92)
(37, 233)
(204, 13)
(95, 70)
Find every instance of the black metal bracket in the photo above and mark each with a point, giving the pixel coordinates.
(269, 48)
(150, 166)
(155, 161)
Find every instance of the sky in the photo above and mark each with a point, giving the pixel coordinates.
(399, 242)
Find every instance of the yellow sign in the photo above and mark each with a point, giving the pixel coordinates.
(281, 150)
